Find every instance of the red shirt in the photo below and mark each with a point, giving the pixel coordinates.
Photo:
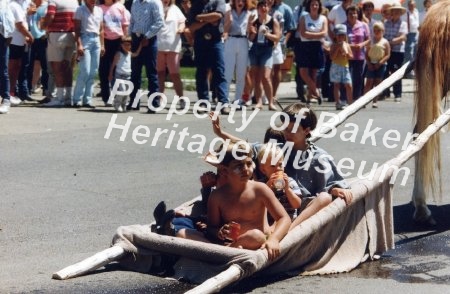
(63, 12)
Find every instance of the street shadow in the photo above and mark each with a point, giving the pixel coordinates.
(403, 222)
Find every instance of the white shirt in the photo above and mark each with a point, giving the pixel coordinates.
(413, 20)
(19, 15)
(312, 25)
(337, 15)
(90, 21)
(168, 38)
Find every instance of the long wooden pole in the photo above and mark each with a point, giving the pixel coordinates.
(358, 104)
(89, 264)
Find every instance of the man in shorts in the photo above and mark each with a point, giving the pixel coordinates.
(61, 47)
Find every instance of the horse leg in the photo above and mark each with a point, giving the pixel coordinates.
(422, 213)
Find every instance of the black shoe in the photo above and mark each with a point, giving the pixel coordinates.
(88, 105)
(26, 97)
(45, 100)
(150, 111)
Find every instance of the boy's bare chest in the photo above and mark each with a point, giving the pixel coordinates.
(244, 208)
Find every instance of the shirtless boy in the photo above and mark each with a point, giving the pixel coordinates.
(245, 202)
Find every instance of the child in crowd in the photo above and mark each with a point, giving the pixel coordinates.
(377, 54)
(285, 188)
(340, 53)
(121, 67)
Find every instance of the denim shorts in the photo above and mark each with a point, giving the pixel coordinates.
(180, 223)
(261, 56)
(340, 74)
(376, 74)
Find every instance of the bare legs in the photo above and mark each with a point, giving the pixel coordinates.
(308, 75)
(262, 79)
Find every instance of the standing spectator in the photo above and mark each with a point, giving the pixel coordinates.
(236, 45)
(395, 33)
(7, 24)
(426, 5)
(38, 59)
(146, 21)
(205, 24)
(89, 38)
(411, 17)
(20, 44)
(367, 9)
(169, 47)
(299, 11)
(121, 69)
(61, 47)
(340, 55)
(313, 28)
(358, 37)
(264, 32)
(378, 52)
(116, 19)
(23, 88)
(287, 28)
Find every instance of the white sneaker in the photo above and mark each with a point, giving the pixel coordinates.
(265, 101)
(4, 108)
(398, 99)
(54, 103)
(15, 101)
(120, 109)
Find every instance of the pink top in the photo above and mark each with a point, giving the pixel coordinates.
(115, 16)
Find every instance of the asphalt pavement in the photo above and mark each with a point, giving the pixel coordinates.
(65, 188)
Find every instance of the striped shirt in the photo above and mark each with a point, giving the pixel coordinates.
(394, 30)
(146, 17)
(63, 12)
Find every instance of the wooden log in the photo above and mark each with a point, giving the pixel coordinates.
(89, 264)
(358, 104)
(218, 282)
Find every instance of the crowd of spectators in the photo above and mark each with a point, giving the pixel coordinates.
(246, 41)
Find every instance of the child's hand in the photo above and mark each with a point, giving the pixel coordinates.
(224, 233)
(208, 179)
(215, 124)
(272, 247)
(345, 194)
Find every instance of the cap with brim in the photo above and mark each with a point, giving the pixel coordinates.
(340, 29)
(397, 6)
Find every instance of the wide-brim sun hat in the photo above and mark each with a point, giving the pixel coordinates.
(397, 6)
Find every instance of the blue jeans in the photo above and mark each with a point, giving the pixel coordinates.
(410, 46)
(209, 54)
(357, 72)
(23, 88)
(393, 64)
(87, 68)
(4, 77)
(147, 58)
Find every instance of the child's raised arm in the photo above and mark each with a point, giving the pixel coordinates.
(217, 129)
